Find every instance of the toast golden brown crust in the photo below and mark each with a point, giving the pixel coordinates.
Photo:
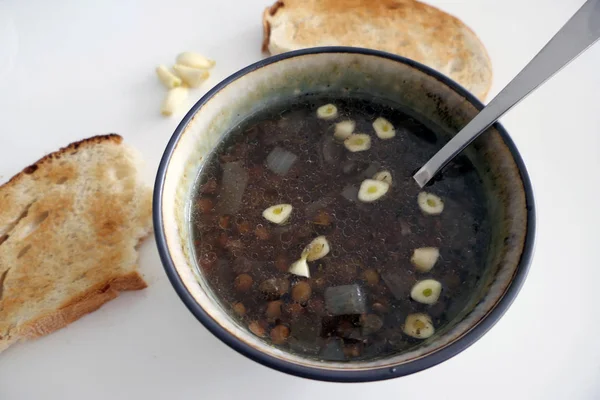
(69, 228)
(405, 27)
(79, 306)
(111, 137)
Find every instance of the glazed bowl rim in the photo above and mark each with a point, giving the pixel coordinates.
(374, 374)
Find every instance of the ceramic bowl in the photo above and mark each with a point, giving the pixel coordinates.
(348, 71)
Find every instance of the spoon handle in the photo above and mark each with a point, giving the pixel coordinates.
(579, 33)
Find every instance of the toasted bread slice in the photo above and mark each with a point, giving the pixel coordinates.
(69, 228)
(405, 27)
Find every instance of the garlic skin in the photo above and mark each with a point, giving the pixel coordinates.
(343, 130)
(419, 326)
(190, 76)
(194, 60)
(372, 190)
(424, 258)
(357, 142)
(430, 204)
(384, 129)
(384, 176)
(174, 101)
(426, 291)
(168, 78)
(317, 249)
(328, 111)
(278, 214)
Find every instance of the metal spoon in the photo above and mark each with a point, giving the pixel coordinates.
(579, 33)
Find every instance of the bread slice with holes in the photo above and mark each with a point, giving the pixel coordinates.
(70, 225)
(405, 27)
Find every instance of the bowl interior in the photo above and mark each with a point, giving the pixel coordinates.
(346, 74)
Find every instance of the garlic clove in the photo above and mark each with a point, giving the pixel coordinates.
(358, 142)
(383, 128)
(328, 111)
(300, 268)
(344, 129)
(426, 291)
(384, 176)
(419, 326)
(424, 258)
(191, 76)
(169, 79)
(430, 203)
(174, 100)
(278, 214)
(316, 249)
(194, 60)
(371, 190)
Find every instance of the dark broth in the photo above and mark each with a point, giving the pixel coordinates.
(245, 258)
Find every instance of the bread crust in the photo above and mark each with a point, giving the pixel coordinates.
(74, 245)
(78, 306)
(48, 158)
(406, 27)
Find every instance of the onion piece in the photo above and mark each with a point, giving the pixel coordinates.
(333, 351)
(280, 161)
(399, 284)
(370, 170)
(302, 346)
(234, 182)
(346, 299)
(370, 323)
(320, 204)
(350, 193)
(404, 228)
(332, 151)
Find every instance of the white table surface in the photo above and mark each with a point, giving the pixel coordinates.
(72, 69)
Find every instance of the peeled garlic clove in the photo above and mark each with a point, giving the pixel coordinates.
(424, 258)
(384, 176)
(300, 268)
(344, 129)
(426, 291)
(430, 203)
(317, 249)
(383, 128)
(328, 111)
(358, 142)
(173, 101)
(191, 76)
(371, 190)
(278, 214)
(169, 79)
(194, 60)
(419, 326)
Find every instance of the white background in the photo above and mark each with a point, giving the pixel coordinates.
(72, 69)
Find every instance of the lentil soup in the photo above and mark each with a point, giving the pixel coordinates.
(308, 227)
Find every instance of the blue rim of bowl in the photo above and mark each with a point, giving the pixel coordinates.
(375, 374)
